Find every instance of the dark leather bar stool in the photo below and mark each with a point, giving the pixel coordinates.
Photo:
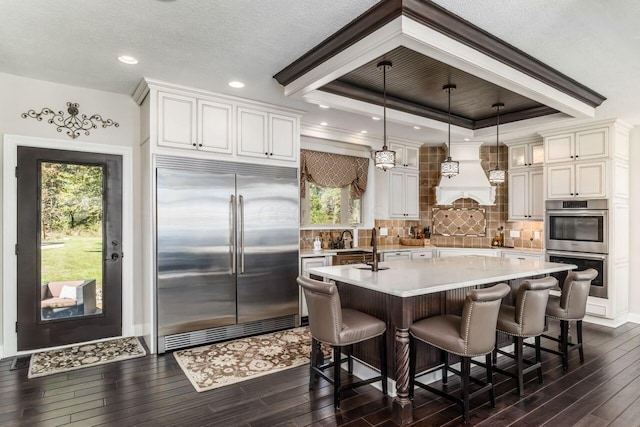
(331, 324)
(524, 320)
(571, 305)
(472, 334)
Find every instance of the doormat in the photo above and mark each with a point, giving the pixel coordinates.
(81, 356)
(216, 365)
(21, 362)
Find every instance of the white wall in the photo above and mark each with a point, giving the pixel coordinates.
(634, 224)
(20, 94)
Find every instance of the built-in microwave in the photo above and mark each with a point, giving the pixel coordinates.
(577, 226)
(584, 261)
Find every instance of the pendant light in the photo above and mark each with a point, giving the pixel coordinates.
(449, 167)
(385, 159)
(497, 175)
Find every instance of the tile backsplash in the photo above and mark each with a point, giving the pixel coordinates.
(459, 222)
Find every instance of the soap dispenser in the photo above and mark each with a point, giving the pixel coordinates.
(317, 244)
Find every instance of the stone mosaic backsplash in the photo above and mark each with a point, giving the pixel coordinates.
(459, 222)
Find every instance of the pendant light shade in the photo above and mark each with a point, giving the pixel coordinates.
(385, 159)
(497, 175)
(449, 167)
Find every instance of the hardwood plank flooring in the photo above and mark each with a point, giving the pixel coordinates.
(153, 391)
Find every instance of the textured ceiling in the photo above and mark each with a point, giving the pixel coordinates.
(205, 44)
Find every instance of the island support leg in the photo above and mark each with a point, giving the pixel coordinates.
(402, 405)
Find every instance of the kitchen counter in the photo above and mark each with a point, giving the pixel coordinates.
(412, 278)
(306, 253)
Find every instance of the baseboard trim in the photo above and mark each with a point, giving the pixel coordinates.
(612, 323)
(633, 318)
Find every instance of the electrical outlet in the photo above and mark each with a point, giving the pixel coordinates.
(384, 231)
(536, 235)
(514, 234)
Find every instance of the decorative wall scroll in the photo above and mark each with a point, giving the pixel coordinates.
(459, 222)
(74, 123)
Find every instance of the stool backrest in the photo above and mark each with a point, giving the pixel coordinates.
(575, 291)
(531, 304)
(479, 318)
(325, 311)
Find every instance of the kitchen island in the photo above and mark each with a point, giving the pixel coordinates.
(412, 290)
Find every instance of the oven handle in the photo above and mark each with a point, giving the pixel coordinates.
(580, 212)
(584, 255)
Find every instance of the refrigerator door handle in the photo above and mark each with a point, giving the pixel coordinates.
(241, 202)
(232, 231)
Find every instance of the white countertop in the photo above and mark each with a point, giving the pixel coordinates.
(425, 276)
(306, 253)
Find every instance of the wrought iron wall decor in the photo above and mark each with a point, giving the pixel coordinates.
(74, 123)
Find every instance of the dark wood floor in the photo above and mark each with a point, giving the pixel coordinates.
(153, 391)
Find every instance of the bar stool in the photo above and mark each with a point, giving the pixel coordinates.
(570, 305)
(524, 320)
(331, 324)
(471, 335)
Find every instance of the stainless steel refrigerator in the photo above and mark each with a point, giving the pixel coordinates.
(227, 251)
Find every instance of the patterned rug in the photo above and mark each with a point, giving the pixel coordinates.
(80, 356)
(220, 364)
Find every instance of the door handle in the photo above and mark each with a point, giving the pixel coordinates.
(241, 203)
(232, 231)
(114, 257)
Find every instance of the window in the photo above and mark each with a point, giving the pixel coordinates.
(330, 206)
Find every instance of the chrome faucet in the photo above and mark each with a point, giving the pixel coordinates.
(374, 250)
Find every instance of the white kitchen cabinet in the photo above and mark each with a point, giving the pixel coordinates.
(581, 180)
(306, 264)
(526, 155)
(576, 146)
(187, 122)
(523, 255)
(422, 254)
(396, 256)
(265, 135)
(407, 156)
(526, 195)
(404, 194)
(449, 252)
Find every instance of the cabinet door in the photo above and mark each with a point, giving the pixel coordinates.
(252, 133)
(400, 155)
(592, 144)
(396, 194)
(421, 254)
(536, 154)
(283, 137)
(396, 256)
(412, 195)
(521, 255)
(536, 195)
(560, 182)
(215, 127)
(559, 148)
(591, 180)
(518, 195)
(176, 120)
(517, 156)
(412, 156)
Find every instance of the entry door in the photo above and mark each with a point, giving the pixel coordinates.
(69, 257)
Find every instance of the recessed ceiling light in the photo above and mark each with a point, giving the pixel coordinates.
(236, 84)
(126, 59)
(416, 127)
(323, 106)
(467, 139)
(323, 124)
(363, 131)
(375, 118)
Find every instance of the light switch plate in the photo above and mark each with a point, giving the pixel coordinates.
(384, 231)
(536, 235)
(514, 233)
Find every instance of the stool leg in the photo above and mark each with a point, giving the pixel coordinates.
(383, 362)
(518, 349)
(444, 359)
(350, 360)
(579, 333)
(564, 343)
(465, 365)
(412, 364)
(539, 359)
(336, 377)
(492, 394)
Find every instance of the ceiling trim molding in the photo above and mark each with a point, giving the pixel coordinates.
(440, 20)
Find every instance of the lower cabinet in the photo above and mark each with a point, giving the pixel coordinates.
(395, 256)
(522, 255)
(422, 254)
(447, 252)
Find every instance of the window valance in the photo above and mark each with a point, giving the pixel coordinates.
(333, 170)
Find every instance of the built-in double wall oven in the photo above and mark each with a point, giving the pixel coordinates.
(577, 233)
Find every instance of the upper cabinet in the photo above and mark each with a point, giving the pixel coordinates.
(407, 156)
(576, 146)
(404, 194)
(526, 195)
(526, 155)
(227, 127)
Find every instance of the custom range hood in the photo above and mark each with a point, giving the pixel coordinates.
(471, 182)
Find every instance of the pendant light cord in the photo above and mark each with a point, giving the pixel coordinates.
(384, 104)
(449, 124)
(497, 106)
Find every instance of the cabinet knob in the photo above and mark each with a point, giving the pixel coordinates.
(576, 156)
(572, 157)
(194, 144)
(577, 194)
(571, 194)
(199, 145)
(266, 154)
(271, 154)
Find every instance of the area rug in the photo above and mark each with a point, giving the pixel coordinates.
(220, 364)
(81, 356)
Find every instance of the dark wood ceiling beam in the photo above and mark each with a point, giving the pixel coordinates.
(515, 116)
